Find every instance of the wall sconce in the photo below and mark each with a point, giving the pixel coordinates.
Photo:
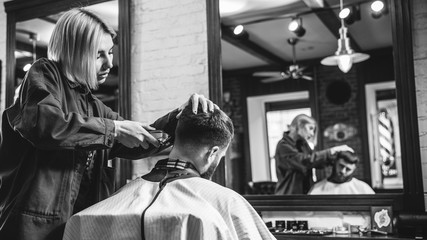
(350, 14)
(344, 56)
(378, 8)
(296, 27)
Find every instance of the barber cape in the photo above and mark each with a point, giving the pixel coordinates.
(354, 186)
(186, 208)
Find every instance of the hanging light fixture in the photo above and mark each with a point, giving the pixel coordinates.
(344, 56)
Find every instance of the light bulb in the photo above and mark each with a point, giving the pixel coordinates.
(293, 25)
(345, 62)
(344, 13)
(238, 30)
(27, 67)
(377, 6)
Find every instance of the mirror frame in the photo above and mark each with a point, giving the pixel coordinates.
(412, 197)
(24, 10)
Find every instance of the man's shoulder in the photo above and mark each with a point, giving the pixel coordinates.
(360, 182)
(363, 187)
(318, 186)
(208, 187)
(321, 182)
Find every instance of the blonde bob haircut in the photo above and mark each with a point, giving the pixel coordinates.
(74, 44)
(300, 121)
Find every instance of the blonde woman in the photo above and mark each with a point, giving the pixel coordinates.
(57, 136)
(295, 157)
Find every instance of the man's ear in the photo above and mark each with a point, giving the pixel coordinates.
(212, 153)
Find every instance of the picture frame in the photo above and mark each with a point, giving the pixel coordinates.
(382, 219)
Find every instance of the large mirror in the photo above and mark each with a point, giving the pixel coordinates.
(271, 74)
(29, 27)
(32, 38)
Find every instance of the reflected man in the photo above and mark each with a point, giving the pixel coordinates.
(342, 180)
(295, 158)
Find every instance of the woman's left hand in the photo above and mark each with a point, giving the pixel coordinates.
(195, 100)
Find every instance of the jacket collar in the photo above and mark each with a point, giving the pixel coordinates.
(75, 85)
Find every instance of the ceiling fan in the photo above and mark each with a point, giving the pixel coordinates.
(294, 71)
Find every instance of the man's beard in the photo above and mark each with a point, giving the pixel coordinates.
(210, 171)
(337, 178)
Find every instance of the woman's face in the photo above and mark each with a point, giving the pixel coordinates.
(104, 59)
(307, 131)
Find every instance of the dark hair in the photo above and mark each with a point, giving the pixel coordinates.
(348, 157)
(204, 129)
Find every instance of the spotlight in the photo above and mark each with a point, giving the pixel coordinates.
(296, 27)
(344, 13)
(350, 14)
(240, 32)
(378, 8)
(27, 67)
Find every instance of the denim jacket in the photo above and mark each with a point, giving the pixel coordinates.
(49, 138)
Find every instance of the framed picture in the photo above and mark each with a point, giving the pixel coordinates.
(382, 218)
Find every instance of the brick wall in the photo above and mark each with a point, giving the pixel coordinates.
(347, 113)
(169, 55)
(235, 110)
(419, 36)
(169, 58)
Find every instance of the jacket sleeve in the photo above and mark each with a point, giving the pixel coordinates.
(288, 157)
(42, 120)
(167, 123)
(320, 159)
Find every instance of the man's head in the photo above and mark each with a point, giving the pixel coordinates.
(344, 167)
(203, 138)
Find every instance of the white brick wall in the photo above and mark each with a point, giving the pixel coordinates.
(169, 55)
(420, 66)
(2, 55)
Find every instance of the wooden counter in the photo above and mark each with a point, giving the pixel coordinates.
(368, 236)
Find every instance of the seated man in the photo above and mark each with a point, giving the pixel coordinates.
(342, 181)
(177, 200)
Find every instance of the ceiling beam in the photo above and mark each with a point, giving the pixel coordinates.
(314, 3)
(333, 23)
(251, 47)
(255, 16)
(49, 19)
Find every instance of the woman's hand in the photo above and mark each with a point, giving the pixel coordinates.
(134, 134)
(195, 99)
(341, 148)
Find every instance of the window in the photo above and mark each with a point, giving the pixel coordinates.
(279, 116)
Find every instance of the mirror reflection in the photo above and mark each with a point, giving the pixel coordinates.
(32, 38)
(285, 58)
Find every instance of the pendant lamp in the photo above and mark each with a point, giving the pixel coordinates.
(344, 56)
